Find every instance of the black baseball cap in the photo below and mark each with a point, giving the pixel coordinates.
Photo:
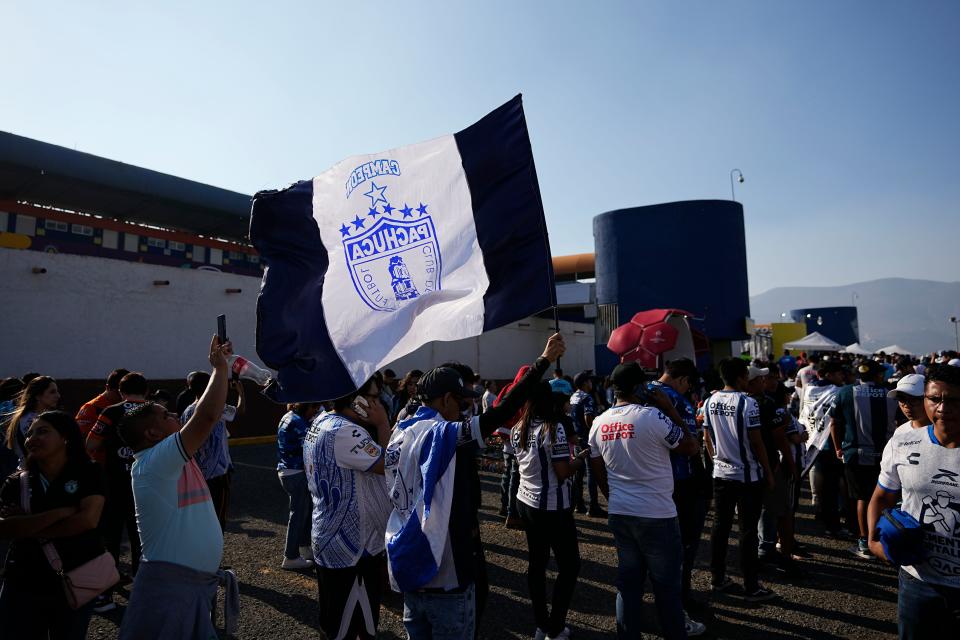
(436, 382)
(627, 377)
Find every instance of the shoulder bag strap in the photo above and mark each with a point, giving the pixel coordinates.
(48, 549)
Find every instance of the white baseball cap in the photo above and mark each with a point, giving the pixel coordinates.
(757, 372)
(910, 384)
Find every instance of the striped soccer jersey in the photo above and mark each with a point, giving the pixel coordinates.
(866, 417)
(728, 416)
(539, 487)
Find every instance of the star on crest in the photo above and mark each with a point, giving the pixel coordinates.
(375, 194)
(344, 230)
(357, 223)
(422, 209)
(406, 211)
(373, 212)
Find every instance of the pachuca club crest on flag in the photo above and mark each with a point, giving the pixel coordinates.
(392, 251)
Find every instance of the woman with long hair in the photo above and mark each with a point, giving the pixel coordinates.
(406, 394)
(66, 496)
(40, 394)
(10, 390)
(545, 506)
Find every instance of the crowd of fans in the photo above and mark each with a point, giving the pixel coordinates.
(384, 488)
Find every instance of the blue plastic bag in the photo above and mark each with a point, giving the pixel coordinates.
(901, 537)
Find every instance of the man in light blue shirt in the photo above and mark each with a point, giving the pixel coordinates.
(182, 542)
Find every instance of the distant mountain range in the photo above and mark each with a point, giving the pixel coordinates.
(914, 314)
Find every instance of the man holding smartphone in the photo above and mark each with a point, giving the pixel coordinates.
(343, 460)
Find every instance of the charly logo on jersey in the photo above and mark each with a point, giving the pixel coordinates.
(70, 486)
(392, 251)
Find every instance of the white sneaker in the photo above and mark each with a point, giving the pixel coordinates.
(296, 564)
(540, 634)
(104, 603)
(306, 552)
(693, 627)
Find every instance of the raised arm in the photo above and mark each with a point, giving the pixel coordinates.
(514, 399)
(210, 406)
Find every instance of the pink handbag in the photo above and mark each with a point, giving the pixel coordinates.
(84, 583)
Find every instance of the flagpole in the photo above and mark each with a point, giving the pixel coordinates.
(556, 325)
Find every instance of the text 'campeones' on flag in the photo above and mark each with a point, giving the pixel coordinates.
(382, 253)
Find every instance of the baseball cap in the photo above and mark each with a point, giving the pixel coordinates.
(626, 377)
(559, 385)
(436, 382)
(582, 377)
(910, 384)
(756, 372)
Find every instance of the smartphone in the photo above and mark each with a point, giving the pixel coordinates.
(222, 328)
(360, 406)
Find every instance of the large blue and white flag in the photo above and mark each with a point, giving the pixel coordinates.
(382, 253)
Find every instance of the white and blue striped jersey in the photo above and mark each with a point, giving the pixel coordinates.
(728, 416)
(539, 487)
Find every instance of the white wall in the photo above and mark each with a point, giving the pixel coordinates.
(499, 353)
(87, 316)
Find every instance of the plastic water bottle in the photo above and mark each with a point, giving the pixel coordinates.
(245, 369)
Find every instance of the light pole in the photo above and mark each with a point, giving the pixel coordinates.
(739, 179)
(956, 330)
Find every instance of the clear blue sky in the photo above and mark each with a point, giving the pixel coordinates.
(843, 116)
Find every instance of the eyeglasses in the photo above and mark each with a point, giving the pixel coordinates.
(946, 402)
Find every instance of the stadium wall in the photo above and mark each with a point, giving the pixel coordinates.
(85, 316)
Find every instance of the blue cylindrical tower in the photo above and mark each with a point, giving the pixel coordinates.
(688, 255)
(837, 323)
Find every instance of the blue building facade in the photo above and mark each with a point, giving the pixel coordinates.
(837, 323)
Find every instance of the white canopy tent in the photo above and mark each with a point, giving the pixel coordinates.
(856, 350)
(895, 348)
(814, 342)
